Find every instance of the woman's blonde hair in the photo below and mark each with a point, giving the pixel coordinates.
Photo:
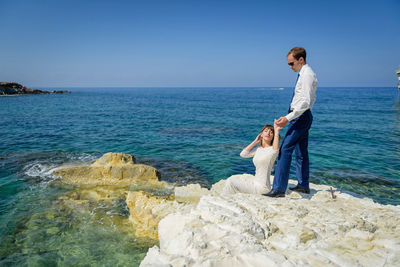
(269, 126)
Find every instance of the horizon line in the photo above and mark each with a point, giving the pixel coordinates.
(209, 86)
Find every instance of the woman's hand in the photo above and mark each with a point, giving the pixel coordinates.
(251, 145)
(257, 138)
(277, 128)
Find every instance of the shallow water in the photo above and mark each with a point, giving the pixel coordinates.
(192, 135)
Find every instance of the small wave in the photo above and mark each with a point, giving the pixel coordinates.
(271, 89)
(84, 157)
(39, 174)
(38, 167)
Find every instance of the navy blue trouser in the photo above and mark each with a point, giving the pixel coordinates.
(295, 139)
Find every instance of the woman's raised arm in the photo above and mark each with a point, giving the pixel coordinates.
(275, 144)
(252, 144)
(246, 152)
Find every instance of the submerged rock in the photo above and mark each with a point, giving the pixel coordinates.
(109, 180)
(300, 229)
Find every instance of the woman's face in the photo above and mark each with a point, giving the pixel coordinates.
(267, 135)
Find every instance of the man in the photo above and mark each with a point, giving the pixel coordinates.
(299, 118)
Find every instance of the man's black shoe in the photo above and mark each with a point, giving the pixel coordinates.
(274, 193)
(300, 189)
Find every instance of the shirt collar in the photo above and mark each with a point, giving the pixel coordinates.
(303, 69)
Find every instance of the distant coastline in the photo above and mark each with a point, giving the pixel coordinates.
(14, 89)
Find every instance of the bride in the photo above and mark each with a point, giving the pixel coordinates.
(263, 158)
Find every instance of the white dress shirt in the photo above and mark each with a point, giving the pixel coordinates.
(304, 93)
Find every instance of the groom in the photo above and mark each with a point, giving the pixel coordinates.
(299, 118)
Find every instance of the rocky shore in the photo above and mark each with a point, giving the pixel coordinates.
(298, 230)
(7, 88)
(200, 227)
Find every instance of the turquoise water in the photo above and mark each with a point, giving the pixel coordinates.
(192, 135)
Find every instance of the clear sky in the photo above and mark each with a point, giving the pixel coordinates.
(58, 43)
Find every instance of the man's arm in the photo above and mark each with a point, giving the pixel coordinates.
(305, 100)
(305, 97)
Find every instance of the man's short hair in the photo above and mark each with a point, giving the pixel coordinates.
(298, 52)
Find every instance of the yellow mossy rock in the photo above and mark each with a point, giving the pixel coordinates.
(110, 169)
(146, 211)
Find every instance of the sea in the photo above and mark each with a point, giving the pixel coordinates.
(191, 135)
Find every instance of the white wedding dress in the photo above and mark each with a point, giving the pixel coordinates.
(263, 159)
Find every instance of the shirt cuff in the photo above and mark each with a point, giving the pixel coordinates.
(290, 116)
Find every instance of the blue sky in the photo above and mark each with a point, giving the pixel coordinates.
(197, 43)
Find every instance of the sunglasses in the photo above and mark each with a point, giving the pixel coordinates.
(291, 64)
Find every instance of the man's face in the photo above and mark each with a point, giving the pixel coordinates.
(294, 64)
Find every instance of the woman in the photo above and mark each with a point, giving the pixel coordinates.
(263, 158)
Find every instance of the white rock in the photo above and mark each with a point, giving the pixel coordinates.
(191, 192)
(298, 230)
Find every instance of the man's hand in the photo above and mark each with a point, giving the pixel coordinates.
(282, 121)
